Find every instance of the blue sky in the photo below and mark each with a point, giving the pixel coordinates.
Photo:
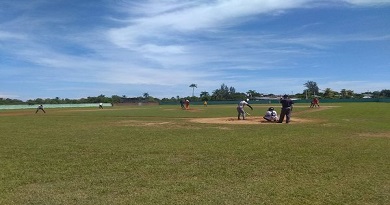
(74, 49)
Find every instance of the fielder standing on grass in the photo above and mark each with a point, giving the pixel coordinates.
(240, 108)
(315, 102)
(40, 107)
(287, 106)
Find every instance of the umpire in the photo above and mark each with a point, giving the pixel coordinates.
(287, 106)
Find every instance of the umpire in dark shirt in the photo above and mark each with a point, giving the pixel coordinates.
(287, 106)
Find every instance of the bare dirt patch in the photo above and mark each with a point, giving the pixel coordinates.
(194, 110)
(248, 121)
(153, 124)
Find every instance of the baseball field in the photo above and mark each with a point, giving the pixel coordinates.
(336, 154)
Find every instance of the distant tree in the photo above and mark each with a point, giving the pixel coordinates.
(9, 101)
(39, 101)
(358, 95)
(312, 88)
(56, 100)
(221, 94)
(329, 93)
(102, 99)
(232, 91)
(385, 93)
(376, 94)
(350, 94)
(253, 93)
(192, 98)
(193, 86)
(204, 96)
(148, 98)
(227, 93)
(115, 99)
(343, 93)
(346, 93)
(238, 96)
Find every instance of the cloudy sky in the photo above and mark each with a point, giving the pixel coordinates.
(74, 49)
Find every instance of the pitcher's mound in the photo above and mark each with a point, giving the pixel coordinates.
(249, 120)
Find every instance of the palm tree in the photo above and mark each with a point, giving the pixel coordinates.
(193, 86)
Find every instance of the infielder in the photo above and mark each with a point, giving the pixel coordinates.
(40, 107)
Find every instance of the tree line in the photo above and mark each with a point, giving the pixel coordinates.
(224, 93)
(312, 90)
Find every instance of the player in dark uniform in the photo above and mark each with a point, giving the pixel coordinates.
(287, 106)
(182, 104)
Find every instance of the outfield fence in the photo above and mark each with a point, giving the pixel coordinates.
(273, 101)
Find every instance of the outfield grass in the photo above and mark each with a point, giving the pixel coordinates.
(155, 155)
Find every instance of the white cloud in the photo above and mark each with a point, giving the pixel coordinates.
(175, 42)
(368, 2)
(196, 18)
(4, 35)
(167, 50)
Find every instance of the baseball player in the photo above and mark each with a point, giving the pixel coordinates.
(315, 103)
(271, 115)
(240, 108)
(187, 102)
(40, 107)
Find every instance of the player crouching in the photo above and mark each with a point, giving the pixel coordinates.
(271, 115)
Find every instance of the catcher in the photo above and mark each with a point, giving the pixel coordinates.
(271, 115)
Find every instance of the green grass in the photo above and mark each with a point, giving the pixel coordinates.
(155, 155)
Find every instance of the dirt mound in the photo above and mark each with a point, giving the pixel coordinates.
(235, 121)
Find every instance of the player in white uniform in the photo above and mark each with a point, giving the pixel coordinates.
(240, 108)
(40, 107)
(271, 115)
